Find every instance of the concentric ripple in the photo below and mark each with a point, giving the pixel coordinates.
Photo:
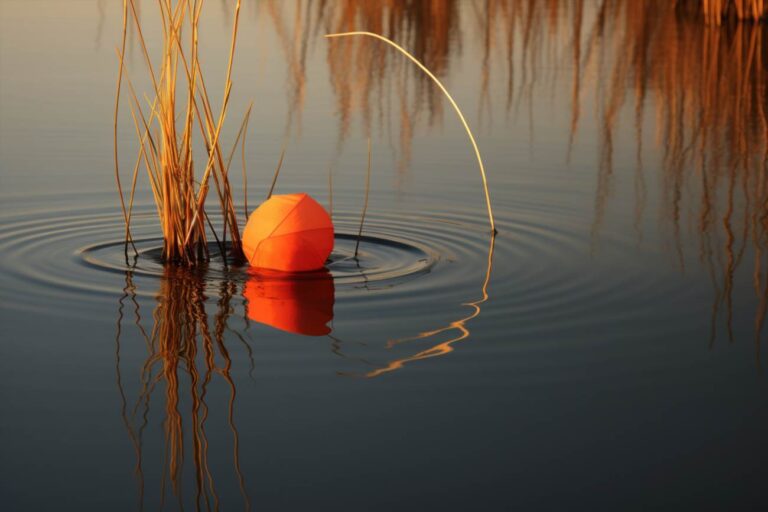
(378, 259)
(78, 257)
(421, 266)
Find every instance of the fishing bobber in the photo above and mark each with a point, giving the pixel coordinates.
(291, 232)
(300, 304)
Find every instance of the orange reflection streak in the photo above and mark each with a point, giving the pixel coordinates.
(445, 347)
(180, 327)
(300, 304)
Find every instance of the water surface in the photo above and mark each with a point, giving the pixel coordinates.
(604, 351)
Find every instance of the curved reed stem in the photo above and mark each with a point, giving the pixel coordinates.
(126, 218)
(450, 99)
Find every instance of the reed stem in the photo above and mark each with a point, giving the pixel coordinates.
(277, 173)
(365, 203)
(450, 99)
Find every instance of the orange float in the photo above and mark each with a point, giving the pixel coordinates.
(302, 304)
(290, 232)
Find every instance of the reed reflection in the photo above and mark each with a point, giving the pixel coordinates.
(185, 354)
(368, 79)
(378, 86)
(707, 84)
(456, 330)
(459, 327)
(699, 77)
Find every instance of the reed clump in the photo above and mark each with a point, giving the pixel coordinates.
(165, 123)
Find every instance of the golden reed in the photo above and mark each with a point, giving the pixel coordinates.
(165, 125)
(450, 99)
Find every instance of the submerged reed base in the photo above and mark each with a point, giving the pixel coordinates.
(164, 127)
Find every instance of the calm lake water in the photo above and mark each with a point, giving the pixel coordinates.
(604, 353)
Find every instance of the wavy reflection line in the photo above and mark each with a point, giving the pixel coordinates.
(761, 291)
(229, 290)
(180, 323)
(459, 325)
(336, 348)
(129, 292)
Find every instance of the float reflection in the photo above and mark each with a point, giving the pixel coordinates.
(295, 303)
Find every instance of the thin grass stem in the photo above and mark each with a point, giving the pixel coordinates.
(365, 203)
(277, 172)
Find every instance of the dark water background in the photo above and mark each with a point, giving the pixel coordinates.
(603, 353)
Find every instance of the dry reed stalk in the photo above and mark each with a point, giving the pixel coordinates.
(330, 191)
(128, 237)
(166, 145)
(277, 173)
(450, 99)
(365, 203)
(245, 173)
